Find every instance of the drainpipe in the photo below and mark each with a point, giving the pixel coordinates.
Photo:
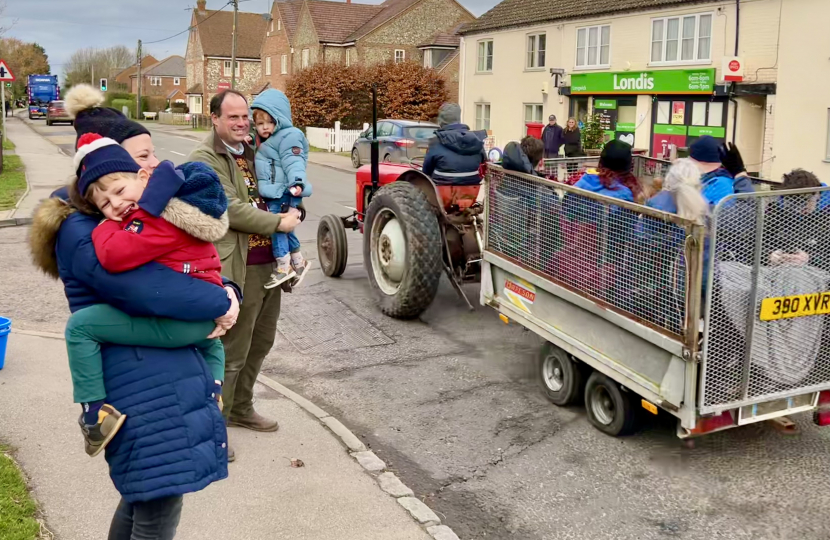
(732, 92)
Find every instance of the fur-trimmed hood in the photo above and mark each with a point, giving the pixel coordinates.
(47, 220)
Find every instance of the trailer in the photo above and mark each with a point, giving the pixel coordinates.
(643, 311)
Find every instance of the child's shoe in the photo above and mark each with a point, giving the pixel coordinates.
(97, 436)
(282, 273)
(300, 266)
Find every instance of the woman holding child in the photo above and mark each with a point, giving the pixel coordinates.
(154, 389)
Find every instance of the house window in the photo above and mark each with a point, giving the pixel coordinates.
(272, 26)
(268, 65)
(305, 58)
(482, 116)
(485, 56)
(428, 58)
(677, 40)
(348, 57)
(284, 64)
(176, 81)
(533, 112)
(279, 24)
(155, 81)
(593, 46)
(227, 69)
(536, 51)
(400, 55)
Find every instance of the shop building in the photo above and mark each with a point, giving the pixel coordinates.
(658, 72)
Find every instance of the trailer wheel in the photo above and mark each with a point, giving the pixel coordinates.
(560, 376)
(610, 410)
(332, 247)
(402, 250)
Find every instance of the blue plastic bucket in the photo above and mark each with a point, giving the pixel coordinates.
(5, 328)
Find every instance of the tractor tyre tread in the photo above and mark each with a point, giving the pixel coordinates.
(424, 255)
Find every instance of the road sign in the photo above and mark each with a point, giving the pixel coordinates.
(5, 73)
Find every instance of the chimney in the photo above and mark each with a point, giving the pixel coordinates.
(348, 1)
(201, 6)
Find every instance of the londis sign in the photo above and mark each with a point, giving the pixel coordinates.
(675, 81)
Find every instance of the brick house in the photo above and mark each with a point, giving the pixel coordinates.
(209, 50)
(304, 32)
(122, 81)
(166, 78)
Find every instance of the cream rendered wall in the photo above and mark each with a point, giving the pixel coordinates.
(802, 102)
(510, 85)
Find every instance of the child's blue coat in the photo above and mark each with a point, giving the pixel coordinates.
(282, 158)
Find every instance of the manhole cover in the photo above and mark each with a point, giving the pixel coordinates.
(320, 323)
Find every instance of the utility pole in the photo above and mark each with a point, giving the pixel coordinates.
(92, 80)
(233, 47)
(138, 80)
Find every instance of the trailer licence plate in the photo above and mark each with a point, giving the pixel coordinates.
(788, 307)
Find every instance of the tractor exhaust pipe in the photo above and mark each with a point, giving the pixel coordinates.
(375, 152)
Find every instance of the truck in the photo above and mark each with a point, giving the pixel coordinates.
(41, 89)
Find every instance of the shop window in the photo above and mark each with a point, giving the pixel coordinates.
(536, 51)
(579, 109)
(699, 113)
(485, 56)
(663, 112)
(482, 116)
(677, 40)
(533, 112)
(593, 46)
(627, 114)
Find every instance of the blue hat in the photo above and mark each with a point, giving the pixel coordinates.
(705, 150)
(97, 156)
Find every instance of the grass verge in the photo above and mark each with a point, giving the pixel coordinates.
(18, 511)
(12, 183)
(315, 149)
(8, 145)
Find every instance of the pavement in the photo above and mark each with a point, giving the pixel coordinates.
(450, 403)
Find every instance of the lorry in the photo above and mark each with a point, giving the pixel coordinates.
(40, 90)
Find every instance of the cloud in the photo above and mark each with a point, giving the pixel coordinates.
(62, 27)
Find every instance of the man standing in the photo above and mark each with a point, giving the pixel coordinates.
(246, 255)
(553, 138)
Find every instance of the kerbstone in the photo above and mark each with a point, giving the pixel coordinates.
(442, 532)
(419, 511)
(392, 485)
(369, 461)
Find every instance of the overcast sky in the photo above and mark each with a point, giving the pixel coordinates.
(62, 26)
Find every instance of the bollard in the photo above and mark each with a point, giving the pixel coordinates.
(5, 328)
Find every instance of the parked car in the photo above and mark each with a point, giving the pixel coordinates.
(56, 112)
(400, 141)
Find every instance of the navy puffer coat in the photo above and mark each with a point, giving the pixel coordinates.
(174, 440)
(454, 156)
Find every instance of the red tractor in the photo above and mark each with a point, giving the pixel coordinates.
(412, 231)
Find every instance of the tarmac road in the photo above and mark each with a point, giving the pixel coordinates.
(451, 403)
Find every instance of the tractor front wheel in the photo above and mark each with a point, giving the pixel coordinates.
(332, 246)
(402, 250)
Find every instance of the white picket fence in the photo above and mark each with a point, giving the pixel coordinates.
(333, 139)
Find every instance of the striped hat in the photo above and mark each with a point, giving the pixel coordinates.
(97, 156)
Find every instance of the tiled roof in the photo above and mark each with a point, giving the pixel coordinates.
(289, 12)
(173, 93)
(512, 13)
(336, 21)
(195, 89)
(260, 89)
(390, 8)
(172, 66)
(146, 62)
(444, 39)
(216, 29)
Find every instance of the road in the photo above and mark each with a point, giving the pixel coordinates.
(451, 403)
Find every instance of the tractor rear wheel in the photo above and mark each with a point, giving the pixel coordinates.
(402, 250)
(332, 247)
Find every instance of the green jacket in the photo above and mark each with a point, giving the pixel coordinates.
(244, 219)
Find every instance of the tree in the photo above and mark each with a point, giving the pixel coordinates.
(326, 93)
(24, 59)
(84, 64)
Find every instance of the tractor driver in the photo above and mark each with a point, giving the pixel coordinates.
(456, 153)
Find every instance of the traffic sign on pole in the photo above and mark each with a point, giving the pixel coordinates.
(5, 73)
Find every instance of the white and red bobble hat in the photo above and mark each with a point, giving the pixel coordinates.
(97, 156)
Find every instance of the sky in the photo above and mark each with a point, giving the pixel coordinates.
(62, 26)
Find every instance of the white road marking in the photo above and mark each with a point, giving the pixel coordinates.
(177, 153)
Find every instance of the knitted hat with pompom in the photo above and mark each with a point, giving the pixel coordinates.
(83, 103)
(97, 156)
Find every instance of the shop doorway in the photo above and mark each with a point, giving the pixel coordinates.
(681, 120)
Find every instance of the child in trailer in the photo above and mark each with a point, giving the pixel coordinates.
(281, 159)
(176, 232)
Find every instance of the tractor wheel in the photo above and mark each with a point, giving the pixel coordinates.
(402, 250)
(332, 248)
(609, 408)
(560, 376)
